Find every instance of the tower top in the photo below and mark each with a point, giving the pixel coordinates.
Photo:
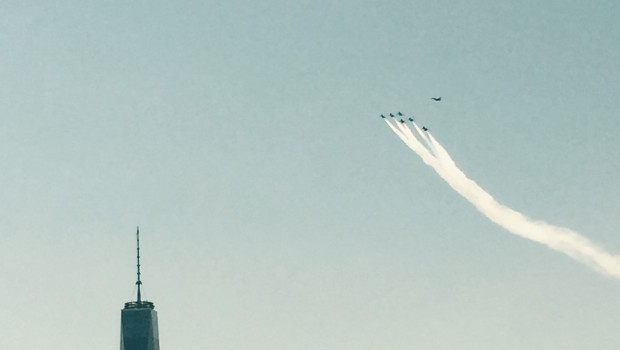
(139, 304)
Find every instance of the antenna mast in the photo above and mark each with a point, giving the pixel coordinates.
(139, 304)
(138, 282)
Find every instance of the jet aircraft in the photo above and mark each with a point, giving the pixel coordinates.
(402, 121)
(400, 114)
(424, 128)
(436, 98)
(410, 119)
(382, 116)
(391, 115)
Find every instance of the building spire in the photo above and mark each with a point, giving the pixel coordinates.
(139, 303)
(138, 282)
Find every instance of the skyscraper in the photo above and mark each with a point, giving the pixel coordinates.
(139, 319)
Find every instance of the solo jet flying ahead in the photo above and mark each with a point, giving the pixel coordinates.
(436, 98)
(424, 128)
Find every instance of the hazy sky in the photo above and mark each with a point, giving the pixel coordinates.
(277, 210)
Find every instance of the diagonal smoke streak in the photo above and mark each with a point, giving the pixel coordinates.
(561, 239)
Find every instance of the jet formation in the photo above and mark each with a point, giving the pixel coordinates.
(402, 121)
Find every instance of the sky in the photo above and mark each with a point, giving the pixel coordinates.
(276, 209)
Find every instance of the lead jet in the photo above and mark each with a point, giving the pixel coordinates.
(436, 98)
(400, 114)
(424, 128)
(382, 116)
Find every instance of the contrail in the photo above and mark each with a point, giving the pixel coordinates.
(561, 239)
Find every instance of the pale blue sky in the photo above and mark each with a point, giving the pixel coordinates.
(277, 211)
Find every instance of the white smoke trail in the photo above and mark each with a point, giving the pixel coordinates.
(561, 239)
(407, 136)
